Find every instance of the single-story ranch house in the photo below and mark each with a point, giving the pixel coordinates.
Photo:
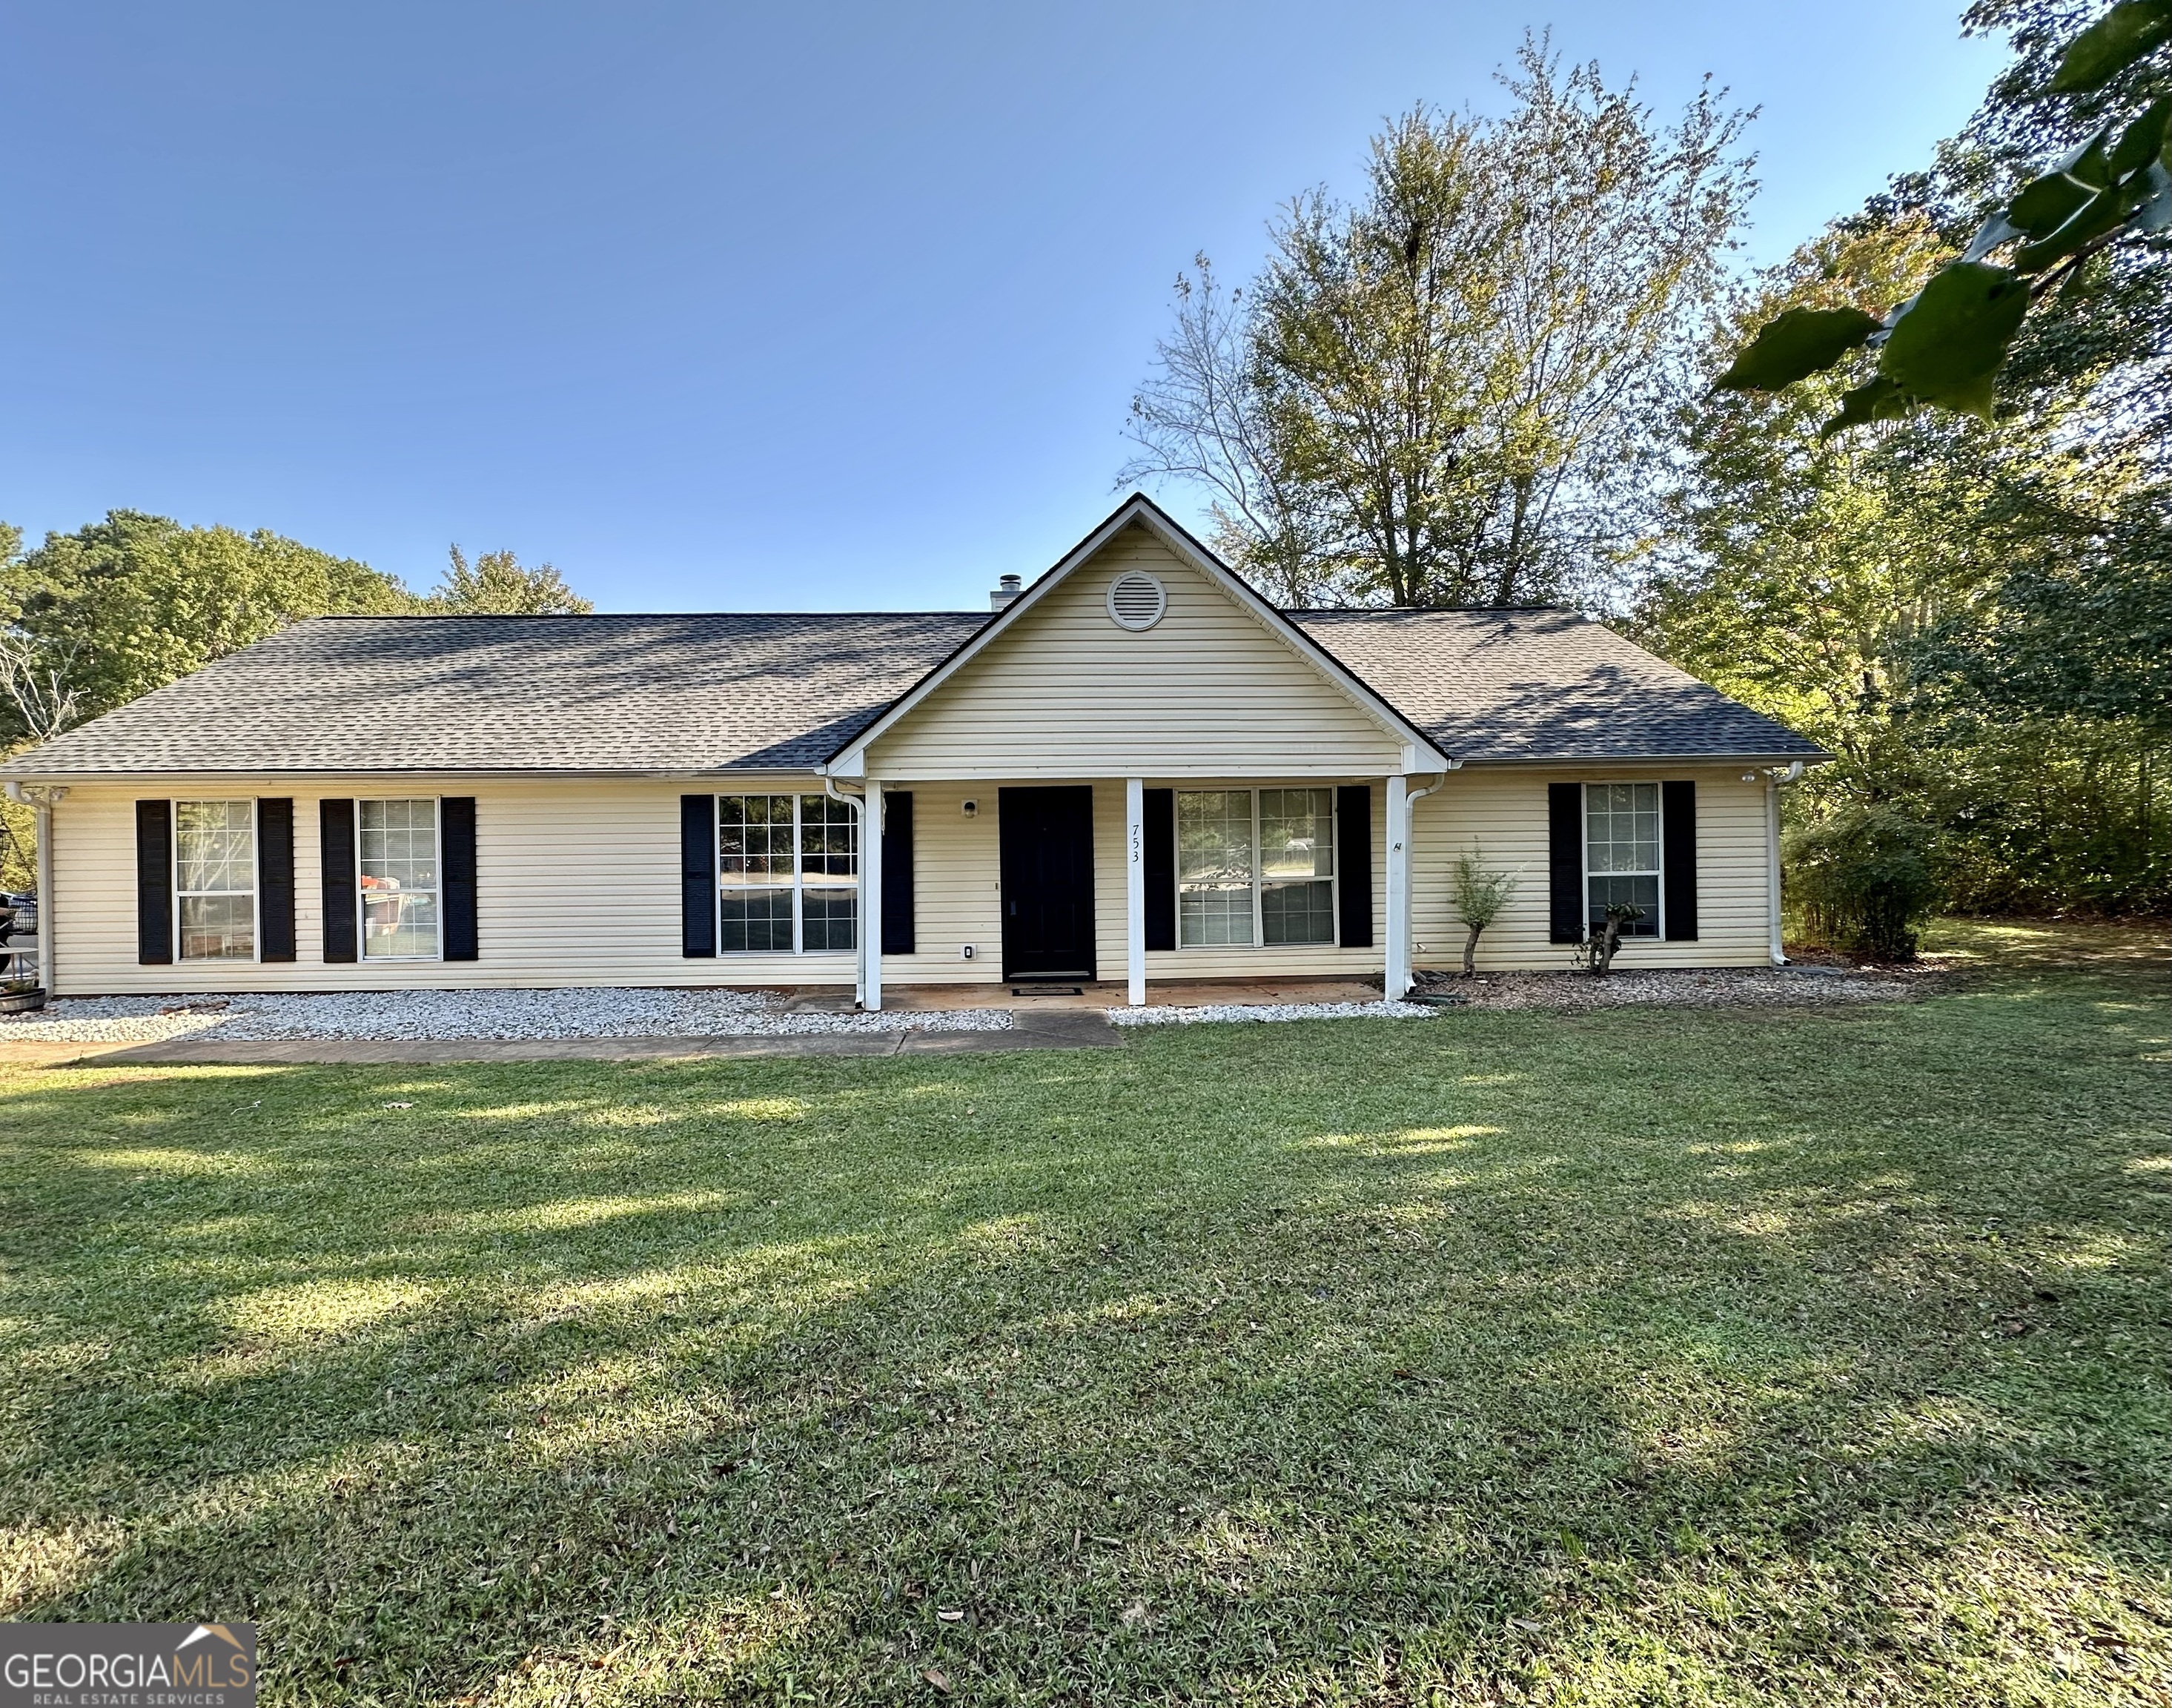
(1136, 768)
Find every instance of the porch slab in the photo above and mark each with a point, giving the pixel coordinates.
(1107, 993)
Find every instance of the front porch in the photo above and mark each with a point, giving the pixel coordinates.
(1108, 892)
(1095, 995)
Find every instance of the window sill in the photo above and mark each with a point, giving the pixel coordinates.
(787, 954)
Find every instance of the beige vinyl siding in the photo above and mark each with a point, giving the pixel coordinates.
(1209, 691)
(955, 873)
(1503, 813)
(576, 883)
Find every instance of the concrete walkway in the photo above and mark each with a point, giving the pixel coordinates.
(1056, 1029)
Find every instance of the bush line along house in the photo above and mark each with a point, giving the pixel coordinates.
(1134, 769)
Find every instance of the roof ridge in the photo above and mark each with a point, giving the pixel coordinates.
(594, 616)
(1418, 611)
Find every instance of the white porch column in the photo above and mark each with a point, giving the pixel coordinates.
(1396, 979)
(871, 898)
(1779, 952)
(42, 798)
(1134, 887)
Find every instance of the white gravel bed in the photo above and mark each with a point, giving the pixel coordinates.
(461, 1015)
(1158, 1016)
(1712, 987)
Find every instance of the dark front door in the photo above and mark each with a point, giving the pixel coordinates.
(1047, 837)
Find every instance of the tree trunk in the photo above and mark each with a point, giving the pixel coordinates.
(1604, 949)
(1469, 949)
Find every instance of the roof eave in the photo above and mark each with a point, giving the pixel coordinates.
(1784, 756)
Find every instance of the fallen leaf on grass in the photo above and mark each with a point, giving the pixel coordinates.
(949, 1616)
(934, 1677)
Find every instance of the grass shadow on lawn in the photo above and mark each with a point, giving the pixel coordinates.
(1629, 1357)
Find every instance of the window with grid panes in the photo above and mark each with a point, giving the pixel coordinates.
(215, 879)
(1622, 853)
(1254, 866)
(788, 868)
(397, 865)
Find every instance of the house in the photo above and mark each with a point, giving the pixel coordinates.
(1134, 769)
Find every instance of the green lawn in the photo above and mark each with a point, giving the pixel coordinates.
(1667, 1358)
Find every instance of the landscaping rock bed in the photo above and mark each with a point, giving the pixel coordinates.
(1158, 1016)
(462, 1016)
(1718, 987)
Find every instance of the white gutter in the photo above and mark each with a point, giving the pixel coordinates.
(859, 803)
(1396, 963)
(1774, 779)
(1411, 800)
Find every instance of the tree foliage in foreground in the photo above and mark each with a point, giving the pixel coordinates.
(1435, 396)
(1944, 344)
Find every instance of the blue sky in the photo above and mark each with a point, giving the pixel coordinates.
(725, 307)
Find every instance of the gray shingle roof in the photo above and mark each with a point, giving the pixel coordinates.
(1498, 685)
(702, 693)
(572, 694)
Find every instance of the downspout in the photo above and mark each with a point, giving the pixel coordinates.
(1774, 779)
(859, 803)
(1406, 830)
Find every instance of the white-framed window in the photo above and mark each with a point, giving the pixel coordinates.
(396, 849)
(788, 875)
(215, 879)
(1254, 866)
(1621, 838)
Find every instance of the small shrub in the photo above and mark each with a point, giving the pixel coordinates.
(1864, 880)
(1480, 894)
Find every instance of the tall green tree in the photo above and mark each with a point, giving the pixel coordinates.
(1800, 572)
(1435, 395)
(1847, 585)
(2080, 626)
(497, 584)
(131, 602)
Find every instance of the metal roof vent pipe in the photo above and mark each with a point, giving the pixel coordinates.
(1007, 589)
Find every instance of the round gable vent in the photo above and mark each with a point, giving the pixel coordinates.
(1136, 600)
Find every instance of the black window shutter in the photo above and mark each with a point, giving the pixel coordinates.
(154, 883)
(456, 823)
(897, 938)
(1565, 863)
(274, 880)
(1678, 870)
(336, 849)
(697, 876)
(1157, 824)
(1353, 863)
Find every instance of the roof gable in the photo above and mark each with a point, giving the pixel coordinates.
(1222, 672)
